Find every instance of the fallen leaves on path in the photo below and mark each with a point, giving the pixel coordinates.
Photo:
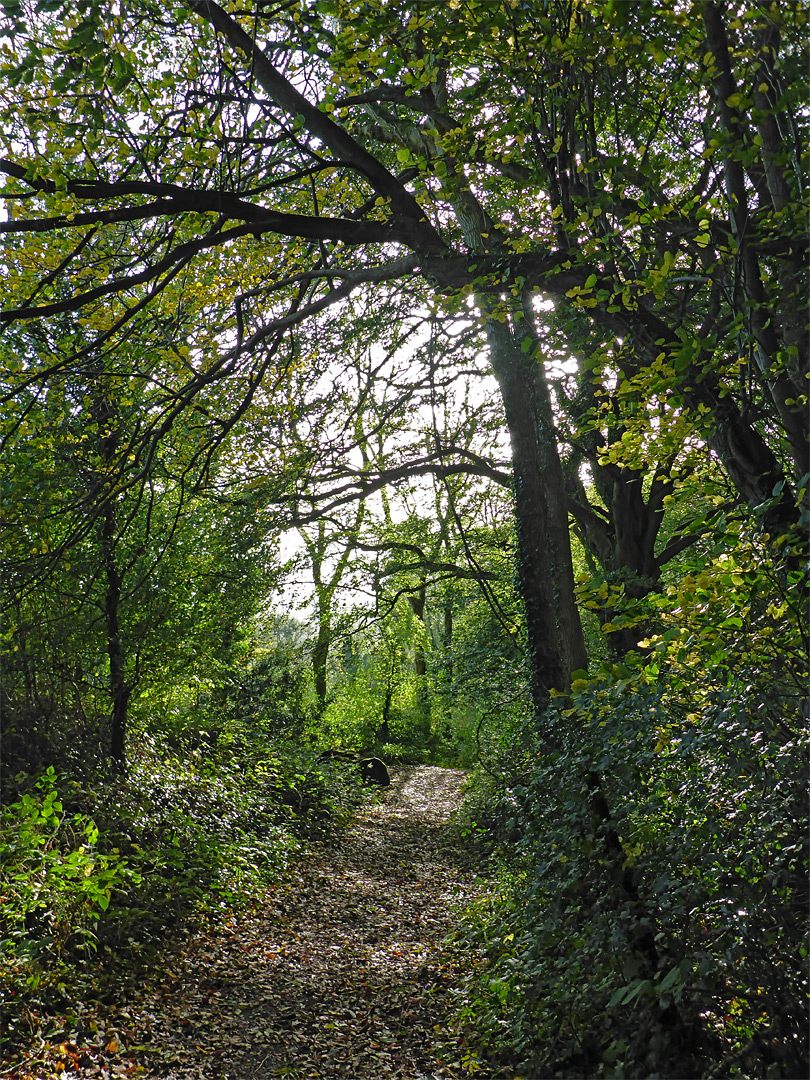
(340, 973)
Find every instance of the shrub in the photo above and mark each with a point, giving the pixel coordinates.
(654, 921)
(657, 924)
(97, 875)
(351, 719)
(57, 885)
(398, 754)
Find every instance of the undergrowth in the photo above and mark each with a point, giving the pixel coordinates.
(652, 916)
(651, 839)
(100, 871)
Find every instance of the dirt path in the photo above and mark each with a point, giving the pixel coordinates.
(338, 976)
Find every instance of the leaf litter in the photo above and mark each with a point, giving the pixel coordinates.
(342, 971)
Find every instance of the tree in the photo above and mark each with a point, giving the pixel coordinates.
(111, 589)
(317, 548)
(512, 152)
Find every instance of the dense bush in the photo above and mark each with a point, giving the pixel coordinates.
(351, 718)
(672, 930)
(399, 754)
(58, 885)
(653, 918)
(271, 693)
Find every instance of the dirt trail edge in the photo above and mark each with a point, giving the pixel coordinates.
(339, 975)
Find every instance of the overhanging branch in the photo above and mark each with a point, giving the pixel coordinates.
(421, 234)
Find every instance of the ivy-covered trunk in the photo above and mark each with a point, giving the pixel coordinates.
(417, 603)
(320, 656)
(555, 643)
(554, 639)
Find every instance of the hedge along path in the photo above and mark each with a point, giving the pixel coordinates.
(339, 974)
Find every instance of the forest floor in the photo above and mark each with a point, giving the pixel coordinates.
(340, 972)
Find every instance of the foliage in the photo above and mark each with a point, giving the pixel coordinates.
(351, 718)
(268, 695)
(356, 927)
(479, 701)
(97, 876)
(57, 888)
(182, 601)
(271, 268)
(656, 918)
(401, 754)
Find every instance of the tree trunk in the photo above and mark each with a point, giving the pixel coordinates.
(784, 391)
(417, 602)
(119, 690)
(384, 731)
(751, 464)
(636, 525)
(555, 643)
(104, 416)
(320, 656)
(448, 640)
(554, 634)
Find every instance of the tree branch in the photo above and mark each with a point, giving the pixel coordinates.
(359, 233)
(421, 234)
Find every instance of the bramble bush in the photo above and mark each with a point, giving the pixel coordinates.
(687, 945)
(96, 875)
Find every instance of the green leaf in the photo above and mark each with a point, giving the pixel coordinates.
(669, 980)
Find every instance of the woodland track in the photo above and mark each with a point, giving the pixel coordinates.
(339, 973)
